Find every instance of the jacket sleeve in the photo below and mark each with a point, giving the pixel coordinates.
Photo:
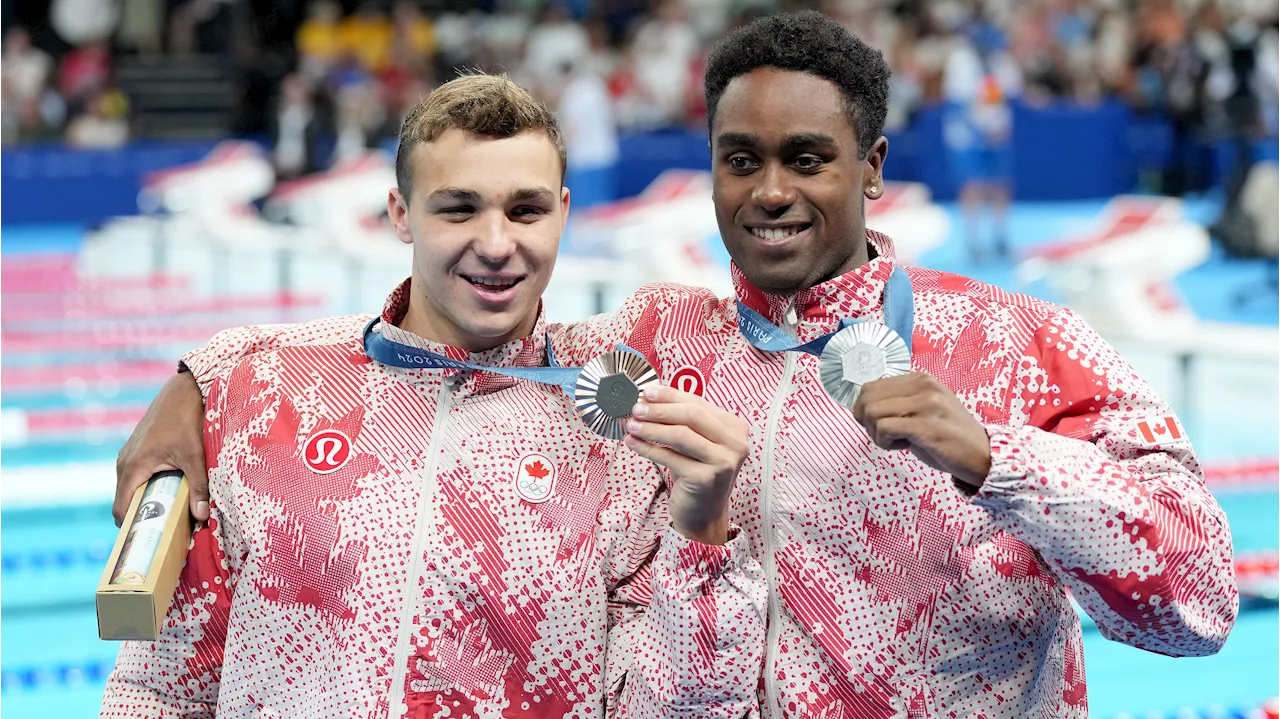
(686, 624)
(178, 674)
(1097, 475)
(659, 310)
(229, 346)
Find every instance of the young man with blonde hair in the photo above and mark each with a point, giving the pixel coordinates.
(384, 540)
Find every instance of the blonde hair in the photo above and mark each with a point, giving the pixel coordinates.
(487, 105)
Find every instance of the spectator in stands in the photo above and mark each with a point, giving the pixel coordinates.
(358, 114)
(414, 37)
(1267, 80)
(10, 113)
(556, 41)
(368, 35)
(28, 104)
(318, 41)
(103, 124)
(981, 77)
(84, 72)
(590, 131)
(663, 50)
(296, 125)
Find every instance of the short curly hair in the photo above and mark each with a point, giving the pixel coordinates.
(813, 43)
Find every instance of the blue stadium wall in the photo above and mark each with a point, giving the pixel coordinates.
(1062, 152)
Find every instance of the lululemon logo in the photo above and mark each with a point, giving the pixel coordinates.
(688, 379)
(327, 451)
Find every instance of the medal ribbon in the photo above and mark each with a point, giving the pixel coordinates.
(898, 314)
(395, 354)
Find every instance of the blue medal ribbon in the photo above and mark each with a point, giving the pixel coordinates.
(898, 313)
(395, 354)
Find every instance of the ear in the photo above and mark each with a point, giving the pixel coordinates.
(873, 171)
(564, 208)
(398, 211)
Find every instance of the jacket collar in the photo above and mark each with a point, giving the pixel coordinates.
(815, 311)
(528, 351)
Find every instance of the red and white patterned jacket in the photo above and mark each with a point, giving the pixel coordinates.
(370, 553)
(891, 593)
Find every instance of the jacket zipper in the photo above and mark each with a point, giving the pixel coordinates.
(426, 498)
(773, 704)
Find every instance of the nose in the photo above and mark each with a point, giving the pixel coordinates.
(774, 193)
(494, 243)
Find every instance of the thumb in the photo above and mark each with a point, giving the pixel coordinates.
(198, 476)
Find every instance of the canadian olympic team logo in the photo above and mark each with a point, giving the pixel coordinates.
(535, 479)
(327, 451)
(689, 379)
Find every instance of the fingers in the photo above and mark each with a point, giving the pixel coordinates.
(679, 438)
(667, 406)
(916, 384)
(893, 432)
(168, 437)
(131, 473)
(198, 477)
(679, 464)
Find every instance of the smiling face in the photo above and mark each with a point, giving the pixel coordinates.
(788, 181)
(484, 217)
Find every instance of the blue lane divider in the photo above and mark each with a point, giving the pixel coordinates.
(93, 671)
(63, 558)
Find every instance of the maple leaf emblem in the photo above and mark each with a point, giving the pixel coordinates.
(915, 566)
(306, 563)
(466, 661)
(536, 470)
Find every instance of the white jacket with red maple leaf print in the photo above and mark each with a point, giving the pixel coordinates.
(421, 543)
(892, 594)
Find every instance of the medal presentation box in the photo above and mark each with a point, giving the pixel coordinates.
(138, 582)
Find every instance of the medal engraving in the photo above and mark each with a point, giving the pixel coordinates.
(863, 363)
(859, 354)
(608, 388)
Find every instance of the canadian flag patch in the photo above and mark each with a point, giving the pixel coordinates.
(1159, 431)
(535, 479)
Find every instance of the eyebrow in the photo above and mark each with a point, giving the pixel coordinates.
(455, 193)
(459, 194)
(792, 143)
(540, 194)
(808, 139)
(737, 139)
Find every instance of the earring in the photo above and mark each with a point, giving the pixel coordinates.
(873, 190)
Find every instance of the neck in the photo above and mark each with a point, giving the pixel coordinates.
(863, 254)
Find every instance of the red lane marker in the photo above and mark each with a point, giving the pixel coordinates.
(1123, 217)
(54, 378)
(62, 421)
(166, 304)
(113, 336)
(1262, 470)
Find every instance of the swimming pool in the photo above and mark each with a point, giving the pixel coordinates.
(56, 528)
(54, 665)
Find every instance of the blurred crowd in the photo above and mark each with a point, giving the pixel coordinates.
(344, 73)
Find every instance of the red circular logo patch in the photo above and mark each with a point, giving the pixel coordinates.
(326, 451)
(688, 379)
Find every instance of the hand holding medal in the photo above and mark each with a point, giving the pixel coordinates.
(916, 412)
(702, 445)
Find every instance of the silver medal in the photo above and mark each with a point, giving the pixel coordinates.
(608, 388)
(859, 354)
